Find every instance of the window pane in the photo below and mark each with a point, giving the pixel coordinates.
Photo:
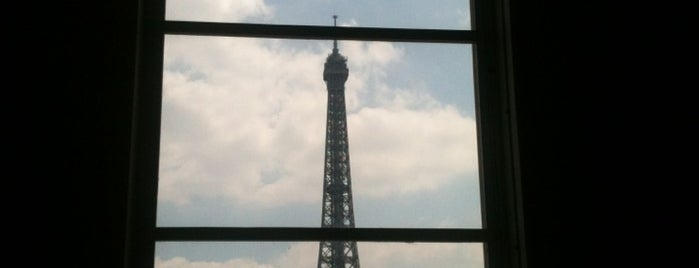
(438, 14)
(305, 254)
(244, 127)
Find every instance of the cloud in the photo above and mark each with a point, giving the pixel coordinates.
(404, 255)
(418, 255)
(254, 115)
(298, 255)
(244, 120)
(179, 262)
(401, 149)
(350, 23)
(217, 10)
(464, 16)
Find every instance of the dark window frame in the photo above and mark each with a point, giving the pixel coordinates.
(502, 232)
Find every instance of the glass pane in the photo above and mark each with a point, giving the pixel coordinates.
(438, 14)
(305, 254)
(244, 127)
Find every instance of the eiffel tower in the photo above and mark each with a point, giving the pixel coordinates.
(337, 184)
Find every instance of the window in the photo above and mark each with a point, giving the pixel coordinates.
(231, 133)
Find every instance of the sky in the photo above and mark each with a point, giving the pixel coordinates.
(243, 129)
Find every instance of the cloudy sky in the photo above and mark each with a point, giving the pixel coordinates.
(243, 129)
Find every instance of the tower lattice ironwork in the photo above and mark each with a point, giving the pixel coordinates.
(338, 211)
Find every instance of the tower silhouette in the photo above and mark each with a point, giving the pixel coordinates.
(338, 211)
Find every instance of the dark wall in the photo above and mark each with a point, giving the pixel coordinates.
(572, 125)
(599, 107)
(86, 50)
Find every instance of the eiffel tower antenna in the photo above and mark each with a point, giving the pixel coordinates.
(335, 40)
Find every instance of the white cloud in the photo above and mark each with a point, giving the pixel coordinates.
(179, 262)
(404, 255)
(255, 114)
(351, 23)
(418, 255)
(396, 149)
(464, 16)
(217, 10)
(298, 255)
(244, 119)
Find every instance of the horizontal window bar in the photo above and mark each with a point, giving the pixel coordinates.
(319, 32)
(315, 234)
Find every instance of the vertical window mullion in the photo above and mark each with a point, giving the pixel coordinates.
(495, 138)
(143, 181)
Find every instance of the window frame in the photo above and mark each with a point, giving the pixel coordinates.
(502, 229)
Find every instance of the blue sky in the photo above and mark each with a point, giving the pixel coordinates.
(437, 14)
(243, 131)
